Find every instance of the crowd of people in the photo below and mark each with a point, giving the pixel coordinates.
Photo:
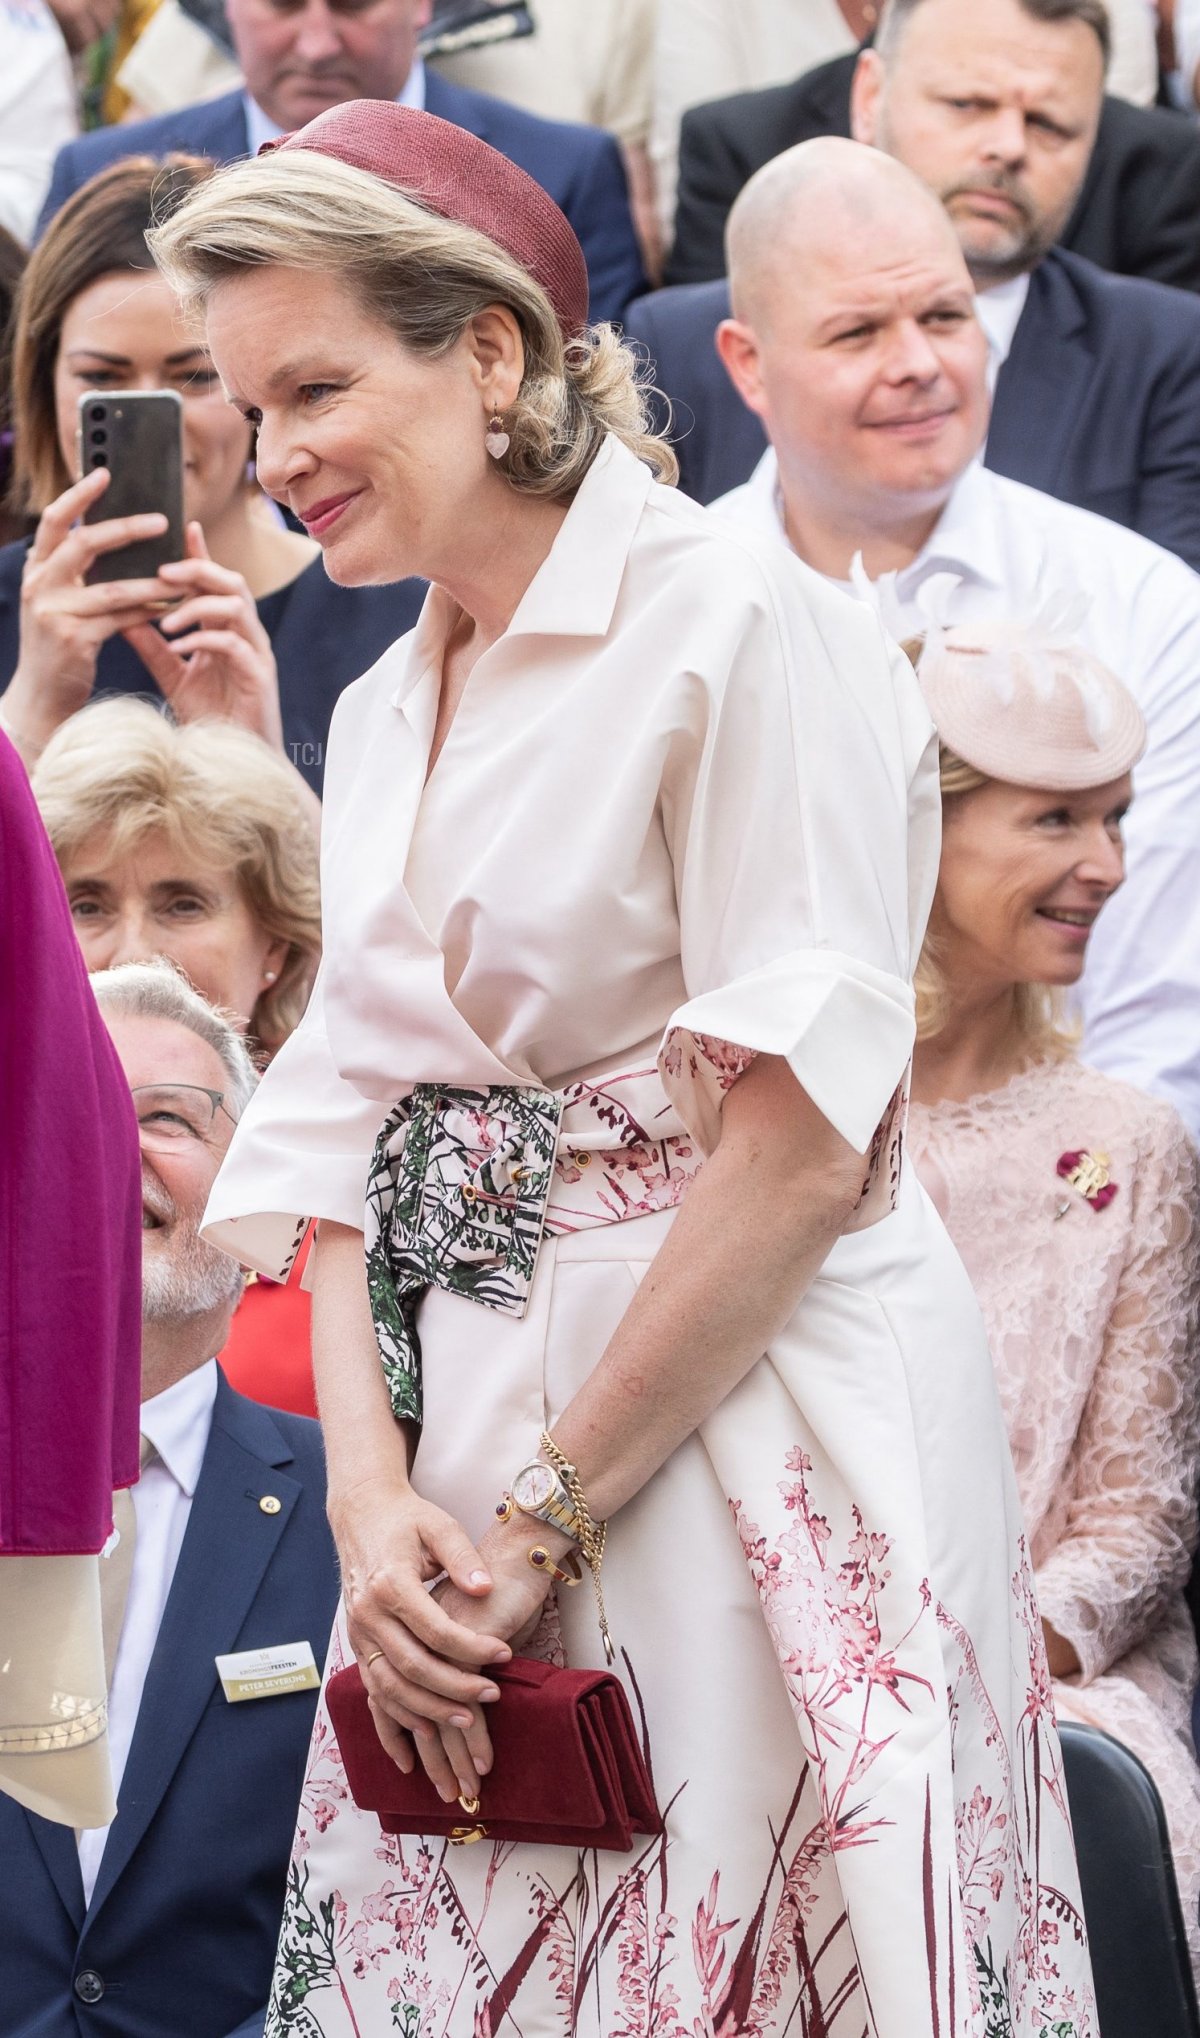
(680, 709)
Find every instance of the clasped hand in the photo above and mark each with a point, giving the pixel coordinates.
(429, 1688)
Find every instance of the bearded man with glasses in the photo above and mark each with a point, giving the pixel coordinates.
(166, 1920)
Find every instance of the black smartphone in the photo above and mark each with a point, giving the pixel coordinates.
(138, 435)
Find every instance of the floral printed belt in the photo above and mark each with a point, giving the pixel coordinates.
(464, 1183)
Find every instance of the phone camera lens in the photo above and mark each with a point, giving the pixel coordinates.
(99, 459)
(98, 414)
(100, 437)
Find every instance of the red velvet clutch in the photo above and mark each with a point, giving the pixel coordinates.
(568, 1770)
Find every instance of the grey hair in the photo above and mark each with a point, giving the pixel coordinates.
(1093, 13)
(157, 990)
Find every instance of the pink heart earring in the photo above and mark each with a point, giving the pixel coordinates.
(496, 439)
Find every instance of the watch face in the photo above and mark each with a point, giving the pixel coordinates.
(534, 1486)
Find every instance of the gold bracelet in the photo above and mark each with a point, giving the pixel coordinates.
(592, 1535)
(543, 1562)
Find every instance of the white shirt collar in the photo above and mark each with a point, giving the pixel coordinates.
(999, 313)
(177, 1423)
(261, 128)
(966, 540)
(758, 503)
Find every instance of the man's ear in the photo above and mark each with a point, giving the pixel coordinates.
(737, 345)
(866, 92)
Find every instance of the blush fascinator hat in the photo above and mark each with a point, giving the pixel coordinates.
(1021, 702)
(428, 227)
(1030, 710)
(1018, 699)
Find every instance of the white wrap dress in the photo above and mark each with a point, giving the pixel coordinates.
(687, 812)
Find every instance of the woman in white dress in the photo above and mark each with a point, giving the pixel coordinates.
(628, 851)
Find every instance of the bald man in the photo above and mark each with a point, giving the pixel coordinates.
(1097, 377)
(865, 362)
(868, 370)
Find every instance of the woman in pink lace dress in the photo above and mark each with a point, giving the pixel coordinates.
(1072, 1198)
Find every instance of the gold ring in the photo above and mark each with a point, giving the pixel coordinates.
(373, 1659)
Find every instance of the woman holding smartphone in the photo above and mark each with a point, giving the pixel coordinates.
(256, 632)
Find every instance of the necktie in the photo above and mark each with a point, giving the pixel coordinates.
(116, 1569)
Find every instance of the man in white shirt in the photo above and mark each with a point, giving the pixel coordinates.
(166, 1921)
(1000, 109)
(868, 368)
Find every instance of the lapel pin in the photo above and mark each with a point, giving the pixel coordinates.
(269, 1504)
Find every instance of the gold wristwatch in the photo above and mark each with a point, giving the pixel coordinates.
(538, 1490)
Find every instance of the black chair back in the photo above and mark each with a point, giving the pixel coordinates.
(1130, 1897)
(1192, 1595)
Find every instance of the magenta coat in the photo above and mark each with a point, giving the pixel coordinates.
(70, 1215)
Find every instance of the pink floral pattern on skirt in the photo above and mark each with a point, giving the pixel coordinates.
(725, 1969)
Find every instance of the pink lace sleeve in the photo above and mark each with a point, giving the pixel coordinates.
(1131, 1521)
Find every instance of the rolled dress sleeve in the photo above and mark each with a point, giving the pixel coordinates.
(301, 1150)
(805, 827)
(303, 1145)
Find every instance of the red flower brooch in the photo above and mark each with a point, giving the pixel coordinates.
(1088, 1174)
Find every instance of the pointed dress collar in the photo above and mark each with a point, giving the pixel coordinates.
(379, 953)
(574, 591)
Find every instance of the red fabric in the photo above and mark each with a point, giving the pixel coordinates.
(459, 177)
(269, 1352)
(70, 1216)
(568, 1770)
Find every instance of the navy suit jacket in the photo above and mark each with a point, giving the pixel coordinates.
(580, 167)
(182, 1925)
(1098, 402)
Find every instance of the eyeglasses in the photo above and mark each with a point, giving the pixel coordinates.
(171, 1116)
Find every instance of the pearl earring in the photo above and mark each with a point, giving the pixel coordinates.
(496, 439)
(269, 976)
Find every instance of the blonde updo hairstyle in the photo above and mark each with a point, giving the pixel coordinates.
(1039, 1010)
(124, 770)
(424, 278)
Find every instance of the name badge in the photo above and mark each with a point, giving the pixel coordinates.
(265, 1673)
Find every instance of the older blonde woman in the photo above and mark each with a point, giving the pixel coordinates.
(192, 842)
(1073, 1199)
(196, 843)
(626, 857)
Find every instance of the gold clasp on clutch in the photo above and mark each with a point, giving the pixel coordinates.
(466, 1836)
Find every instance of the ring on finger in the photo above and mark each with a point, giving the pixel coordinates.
(373, 1659)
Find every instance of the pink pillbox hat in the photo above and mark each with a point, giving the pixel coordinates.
(456, 175)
